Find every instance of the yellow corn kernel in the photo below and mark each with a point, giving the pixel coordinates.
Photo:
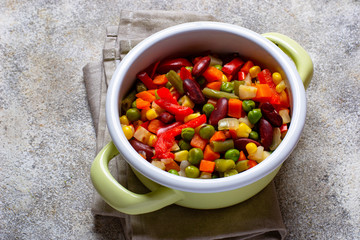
(152, 140)
(251, 148)
(185, 101)
(128, 132)
(243, 130)
(151, 114)
(124, 120)
(191, 117)
(254, 71)
(224, 78)
(276, 78)
(280, 87)
(181, 155)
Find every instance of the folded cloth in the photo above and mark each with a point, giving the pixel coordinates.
(256, 218)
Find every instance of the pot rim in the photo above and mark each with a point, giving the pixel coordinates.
(208, 185)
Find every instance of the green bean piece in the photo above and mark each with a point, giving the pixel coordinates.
(242, 165)
(195, 156)
(192, 172)
(127, 101)
(248, 105)
(211, 93)
(230, 172)
(227, 87)
(173, 171)
(140, 87)
(176, 81)
(184, 145)
(254, 135)
(168, 85)
(237, 85)
(187, 134)
(222, 146)
(218, 66)
(223, 165)
(254, 115)
(207, 109)
(232, 154)
(207, 131)
(133, 114)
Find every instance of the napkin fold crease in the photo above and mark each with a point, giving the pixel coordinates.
(256, 218)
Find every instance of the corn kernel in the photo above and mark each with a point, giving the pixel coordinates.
(181, 155)
(280, 87)
(191, 117)
(128, 132)
(243, 130)
(185, 101)
(151, 114)
(124, 120)
(224, 78)
(251, 148)
(276, 78)
(152, 140)
(254, 71)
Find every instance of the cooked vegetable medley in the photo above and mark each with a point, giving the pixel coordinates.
(207, 116)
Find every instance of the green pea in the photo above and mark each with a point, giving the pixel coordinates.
(192, 172)
(195, 156)
(133, 114)
(207, 109)
(140, 87)
(201, 80)
(187, 134)
(222, 165)
(133, 104)
(230, 172)
(254, 135)
(184, 145)
(173, 171)
(254, 115)
(168, 85)
(248, 105)
(232, 154)
(227, 87)
(206, 132)
(218, 66)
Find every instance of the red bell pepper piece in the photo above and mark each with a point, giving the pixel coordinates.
(165, 93)
(172, 64)
(185, 74)
(241, 75)
(232, 67)
(175, 109)
(151, 70)
(144, 77)
(166, 140)
(265, 77)
(246, 67)
(167, 127)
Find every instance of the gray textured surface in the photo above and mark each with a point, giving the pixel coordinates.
(48, 142)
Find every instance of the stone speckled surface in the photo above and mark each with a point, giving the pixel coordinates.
(48, 141)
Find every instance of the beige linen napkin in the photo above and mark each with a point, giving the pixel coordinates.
(256, 218)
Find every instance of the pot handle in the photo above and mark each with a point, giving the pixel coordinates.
(118, 196)
(298, 54)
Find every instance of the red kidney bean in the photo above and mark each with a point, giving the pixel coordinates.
(141, 147)
(166, 117)
(270, 114)
(240, 144)
(266, 133)
(200, 66)
(219, 112)
(172, 64)
(193, 91)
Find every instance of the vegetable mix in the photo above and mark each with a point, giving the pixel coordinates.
(207, 116)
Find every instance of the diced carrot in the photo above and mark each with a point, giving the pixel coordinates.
(263, 93)
(284, 100)
(252, 163)
(198, 142)
(207, 166)
(242, 156)
(141, 104)
(171, 164)
(209, 153)
(160, 79)
(155, 125)
(218, 136)
(212, 74)
(146, 96)
(234, 108)
(214, 85)
(152, 91)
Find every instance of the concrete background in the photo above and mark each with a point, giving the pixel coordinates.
(47, 140)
